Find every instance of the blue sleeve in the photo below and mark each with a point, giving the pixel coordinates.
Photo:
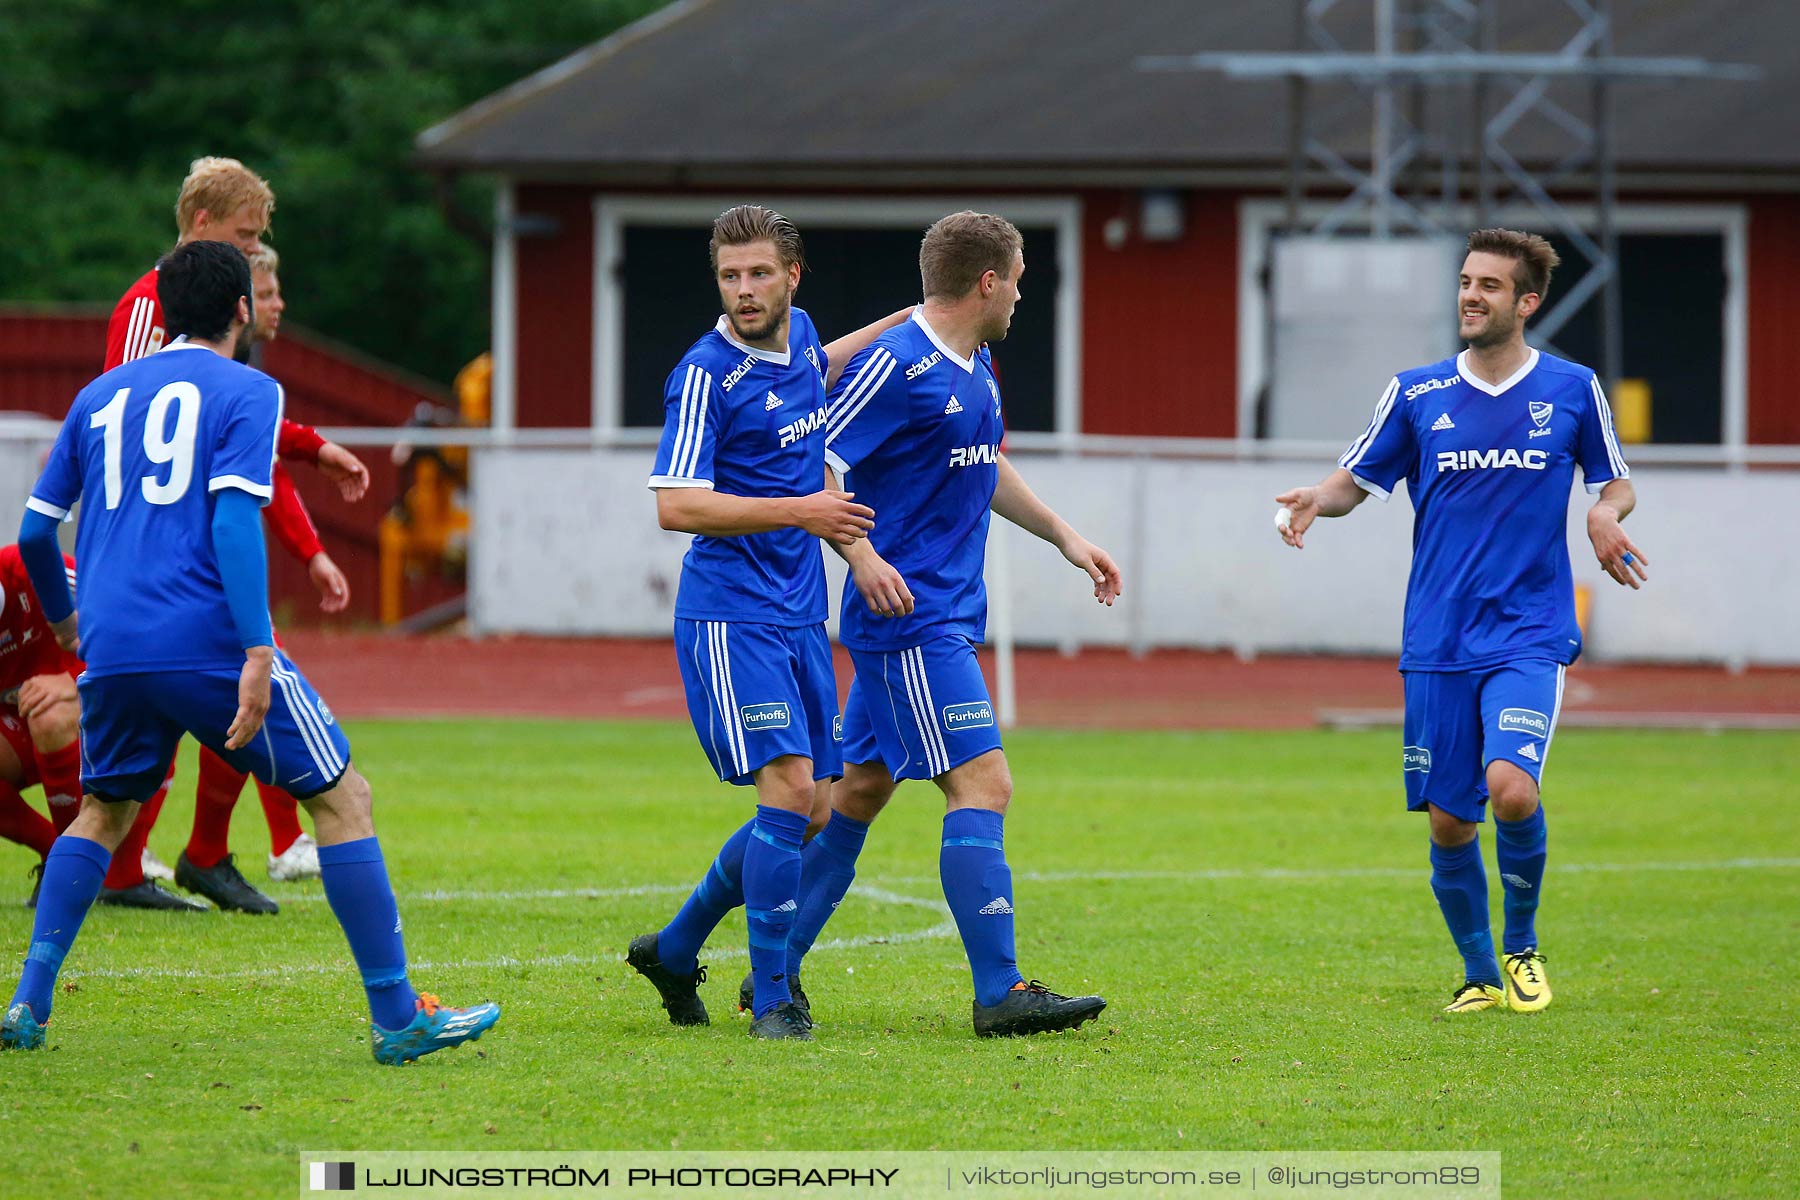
(691, 416)
(867, 407)
(59, 486)
(1596, 444)
(243, 452)
(1387, 451)
(43, 559)
(243, 564)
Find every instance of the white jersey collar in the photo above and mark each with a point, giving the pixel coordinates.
(918, 316)
(180, 343)
(724, 328)
(1494, 389)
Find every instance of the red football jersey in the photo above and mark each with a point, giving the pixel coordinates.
(27, 647)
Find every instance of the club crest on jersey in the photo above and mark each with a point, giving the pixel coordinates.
(1415, 758)
(772, 403)
(738, 372)
(765, 716)
(1486, 460)
(813, 359)
(1540, 414)
(924, 364)
(969, 456)
(811, 423)
(1431, 385)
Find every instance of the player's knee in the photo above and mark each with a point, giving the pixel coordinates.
(984, 782)
(863, 792)
(344, 811)
(1512, 793)
(56, 724)
(787, 783)
(1450, 832)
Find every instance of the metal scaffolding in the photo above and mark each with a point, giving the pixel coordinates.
(1443, 102)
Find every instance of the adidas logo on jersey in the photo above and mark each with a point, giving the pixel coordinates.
(1529, 750)
(997, 907)
(1443, 422)
(952, 407)
(772, 403)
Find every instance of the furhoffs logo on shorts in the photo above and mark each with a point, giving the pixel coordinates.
(973, 715)
(765, 716)
(1524, 720)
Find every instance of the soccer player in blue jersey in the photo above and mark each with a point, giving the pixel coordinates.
(742, 467)
(173, 454)
(915, 427)
(1488, 443)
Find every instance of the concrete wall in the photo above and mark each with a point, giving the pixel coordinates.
(565, 541)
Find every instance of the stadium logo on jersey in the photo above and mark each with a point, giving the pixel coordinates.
(738, 372)
(1524, 720)
(1431, 385)
(955, 406)
(765, 716)
(772, 403)
(974, 715)
(924, 364)
(1443, 422)
(969, 456)
(1481, 460)
(811, 423)
(1540, 412)
(1415, 758)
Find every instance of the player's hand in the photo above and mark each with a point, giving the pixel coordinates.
(1108, 583)
(344, 469)
(68, 635)
(253, 697)
(881, 586)
(1618, 556)
(334, 589)
(834, 516)
(42, 692)
(1305, 503)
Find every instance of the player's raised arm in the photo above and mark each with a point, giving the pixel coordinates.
(839, 353)
(1015, 501)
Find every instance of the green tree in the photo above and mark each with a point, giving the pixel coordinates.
(103, 103)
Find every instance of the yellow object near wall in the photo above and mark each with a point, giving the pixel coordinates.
(1631, 410)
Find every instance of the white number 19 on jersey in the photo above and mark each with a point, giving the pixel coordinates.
(160, 446)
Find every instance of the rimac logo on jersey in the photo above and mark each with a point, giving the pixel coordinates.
(1415, 758)
(738, 372)
(811, 423)
(1431, 385)
(973, 715)
(969, 456)
(1524, 720)
(924, 364)
(765, 716)
(1482, 460)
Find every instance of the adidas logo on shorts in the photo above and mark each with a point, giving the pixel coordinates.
(998, 906)
(1528, 751)
(952, 407)
(1443, 422)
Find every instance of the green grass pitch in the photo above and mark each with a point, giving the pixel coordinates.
(1254, 906)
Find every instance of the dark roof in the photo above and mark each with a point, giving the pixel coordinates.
(954, 91)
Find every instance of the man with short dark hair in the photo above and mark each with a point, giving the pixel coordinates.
(1488, 443)
(174, 454)
(915, 427)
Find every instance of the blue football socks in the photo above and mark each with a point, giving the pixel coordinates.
(720, 891)
(356, 885)
(1460, 882)
(827, 867)
(771, 891)
(1520, 847)
(978, 888)
(72, 875)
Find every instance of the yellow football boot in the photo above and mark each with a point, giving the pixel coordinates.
(1474, 997)
(1527, 987)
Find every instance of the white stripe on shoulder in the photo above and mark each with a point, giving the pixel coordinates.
(1383, 409)
(868, 384)
(46, 508)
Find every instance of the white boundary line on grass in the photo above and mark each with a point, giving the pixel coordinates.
(942, 930)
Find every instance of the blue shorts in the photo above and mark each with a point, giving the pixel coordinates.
(131, 723)
(920, 712)
(1459, 722)
(758, 692)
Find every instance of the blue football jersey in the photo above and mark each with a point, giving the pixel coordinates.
(144, 448)
(1489, 469)
(749, 422)
(916, 430)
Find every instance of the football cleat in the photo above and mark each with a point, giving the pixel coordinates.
(154, 867)
(1527, 987)
(298, 861)
(784, 1022)
(433, 1027)
(1474, 997)
(747, 994)
(20, 1030)
(224, 885)
(680, 993)
(1034, 1008)
(148, 894)
(37, 881)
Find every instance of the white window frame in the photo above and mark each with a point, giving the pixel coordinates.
(614, 211)
(1259, 217)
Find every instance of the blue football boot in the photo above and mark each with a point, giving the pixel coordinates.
(20, 1030)
(433, 1027)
